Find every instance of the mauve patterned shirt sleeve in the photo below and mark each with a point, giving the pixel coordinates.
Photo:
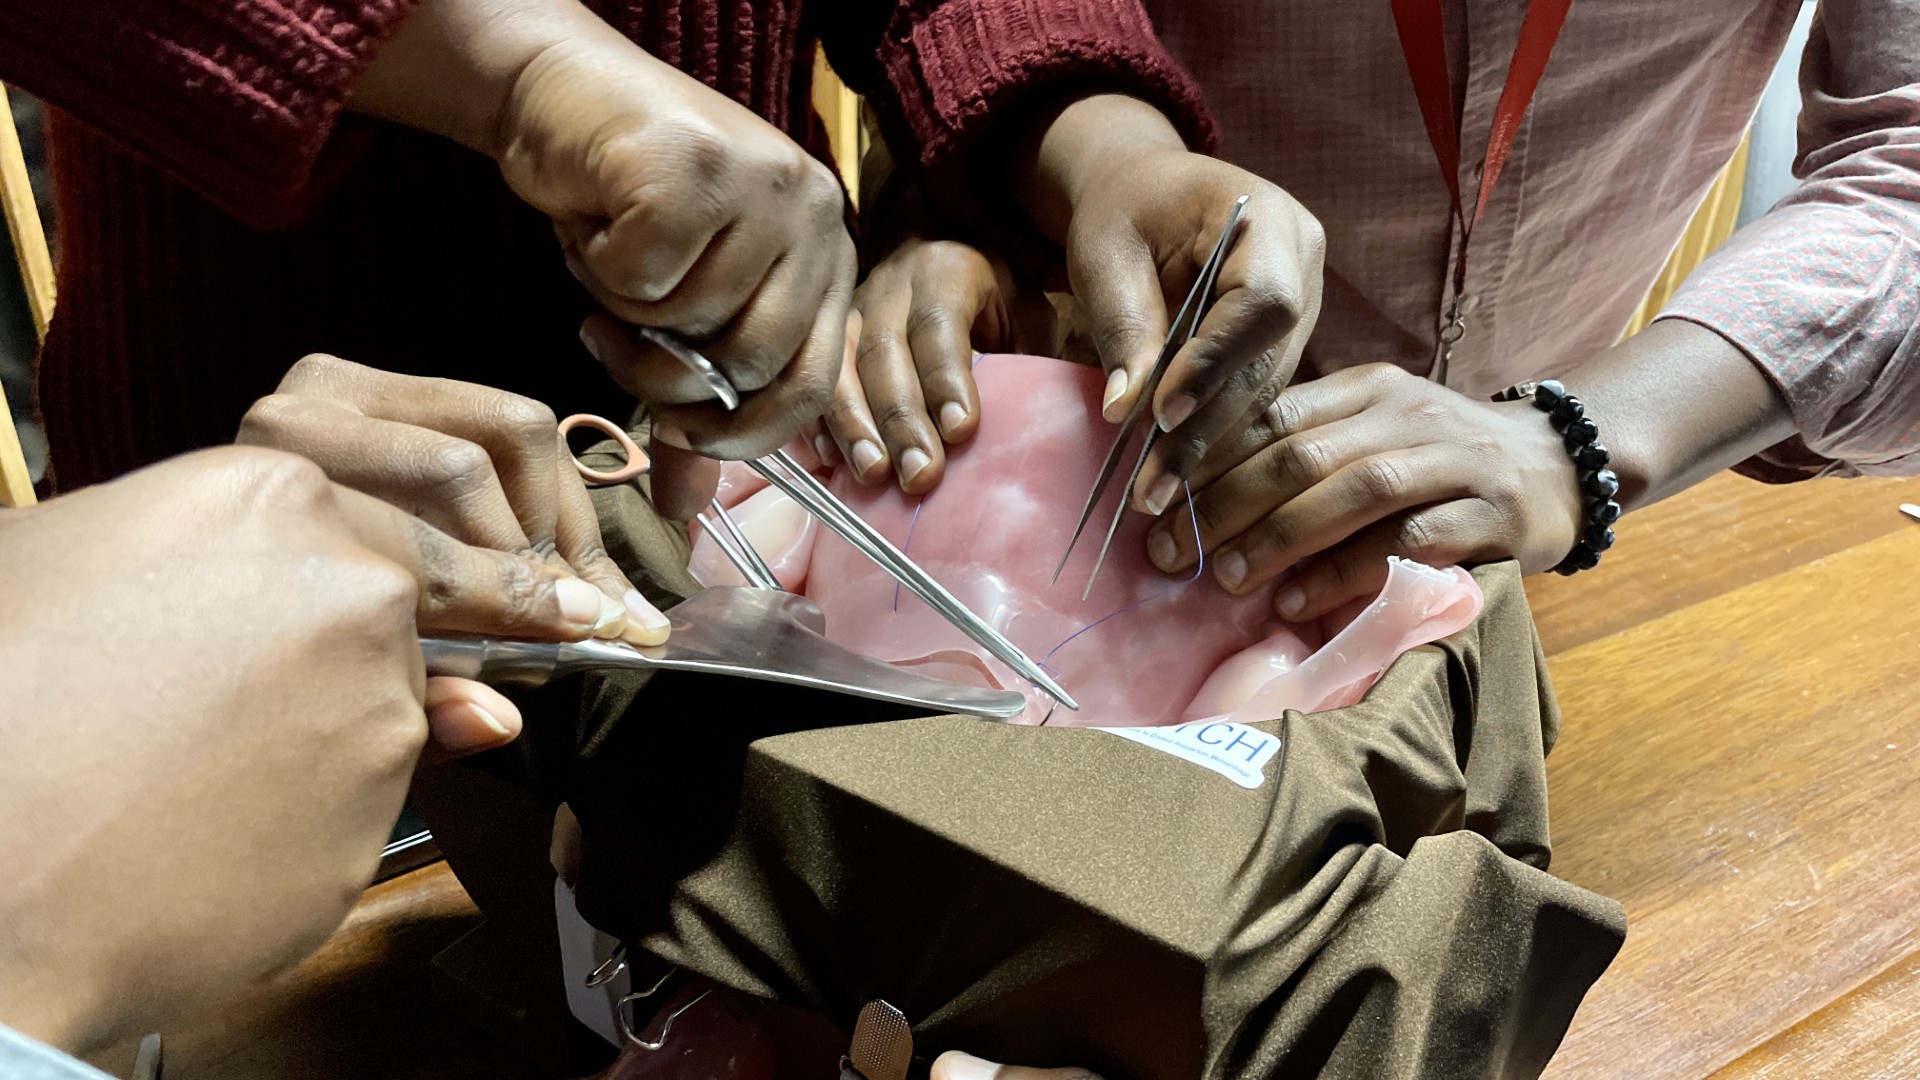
(1823, 292)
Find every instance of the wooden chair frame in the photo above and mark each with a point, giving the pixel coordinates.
(36, 273)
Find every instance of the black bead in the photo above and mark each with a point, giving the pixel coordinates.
(1597, 537)
(1591, 457)
(1580, 433)
(1568, 409)
(1583, 557)
(1601, 485)
(1548, 393)
(1605, 512)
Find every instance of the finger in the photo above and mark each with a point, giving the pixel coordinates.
(1177, 456)
(824, 447)
(642, 368)
(954, 296)
(578, 541)
(1273, 476)
(1245, 389)
(850, 421)
(736, 264)
(643, 255)
(465, 717)
(769, 418)
(516, 432)
(474, 590)
(1262, 294)
(1114, 276)
(773, 324)
(1441, 535)
(892, 383)
(1352, 498)
(954, 1065)
(681, 482)
(446, 481)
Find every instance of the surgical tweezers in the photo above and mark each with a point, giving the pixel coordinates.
(1181, 331)
(783, 472)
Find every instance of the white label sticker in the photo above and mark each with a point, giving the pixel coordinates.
(1235, 751)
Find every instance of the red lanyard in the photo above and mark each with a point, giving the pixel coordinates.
(1422, 27)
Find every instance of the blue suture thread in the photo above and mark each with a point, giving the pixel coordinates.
(1198, 569)
(906, 549)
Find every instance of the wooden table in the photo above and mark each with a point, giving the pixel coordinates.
(1740, 767)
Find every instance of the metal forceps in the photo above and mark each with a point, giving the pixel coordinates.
(783, 472)
(1191, 312)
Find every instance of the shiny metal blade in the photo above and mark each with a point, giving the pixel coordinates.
(804, 488)
(762, 574)
(745, 633)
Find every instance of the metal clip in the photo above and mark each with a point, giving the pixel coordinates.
(622, 1008)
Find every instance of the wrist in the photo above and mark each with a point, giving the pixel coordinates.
(452, 67)
(1062, 152)
(1675, 404)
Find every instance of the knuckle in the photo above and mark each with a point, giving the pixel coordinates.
(899, 417)
(1505, 494)
(1417, 536)
(268, 420)
(527, 418)
(1313, 237)
(1382, 479)
(1297, 459)
(456, 466)
(1278, 532)
(274, 479)
(522, 590)
(314, 369)
(877, 345)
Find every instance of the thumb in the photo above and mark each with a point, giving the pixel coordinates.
(1115, 278)
(466, 717)
(954, 1065)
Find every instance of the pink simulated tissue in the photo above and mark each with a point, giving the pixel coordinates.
(1144, 649)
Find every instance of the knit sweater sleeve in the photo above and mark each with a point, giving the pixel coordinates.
(940, 73)
(237, 98)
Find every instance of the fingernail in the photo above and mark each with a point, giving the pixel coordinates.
(1117, 383)
(491, 721)
(959, 1066)
(1231, 569)
(829, 453)
(645, 624)
(613, 618)
(1161, 493)
(592, 342)
(1162, 550)
(670, 433)
(1179, 407)
(952, 415)
(1291, 602)
(866, 456)
(913, 463)
(579, 602)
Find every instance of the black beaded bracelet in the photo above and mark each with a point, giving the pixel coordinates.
(1598, 484)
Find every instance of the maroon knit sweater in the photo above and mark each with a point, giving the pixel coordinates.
(220, 217)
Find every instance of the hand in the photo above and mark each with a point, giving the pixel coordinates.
(677, 208)
(954, 1065)
(213, 702)
(1139, 215)
(923, 311)
(1343, 471)
(487, 467)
